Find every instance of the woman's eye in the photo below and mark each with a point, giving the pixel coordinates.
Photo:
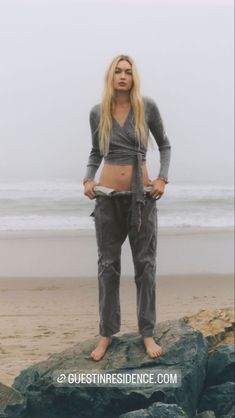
(118, 72)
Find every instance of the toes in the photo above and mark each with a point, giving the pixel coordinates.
(94, 356)
(154, 353)
(97, 356)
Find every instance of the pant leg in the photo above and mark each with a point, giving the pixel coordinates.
(144, 250)
(110, 235)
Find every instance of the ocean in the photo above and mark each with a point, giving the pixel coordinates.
(61, 205)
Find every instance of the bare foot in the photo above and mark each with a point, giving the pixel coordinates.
(153, 350)
(101, 348)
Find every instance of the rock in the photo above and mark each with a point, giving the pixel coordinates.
(230, 414)
(221, 365)
(157, 410)
(12, 403)
(218, 394)
(216, 325)
(206, 414)
(219, 398)
(185, 349)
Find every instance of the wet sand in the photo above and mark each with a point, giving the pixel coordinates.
(74, 253)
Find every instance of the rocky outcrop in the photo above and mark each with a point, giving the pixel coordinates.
(206, 389)
(12, 403)
(184, 349)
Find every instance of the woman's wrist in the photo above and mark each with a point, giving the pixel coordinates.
(86, 180)
(163, 179)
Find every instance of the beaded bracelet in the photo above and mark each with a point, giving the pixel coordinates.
(163, 178)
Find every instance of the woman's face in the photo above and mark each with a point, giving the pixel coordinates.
(122, 79)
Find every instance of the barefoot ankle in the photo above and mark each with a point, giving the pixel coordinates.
(152, 348)
(102, 346)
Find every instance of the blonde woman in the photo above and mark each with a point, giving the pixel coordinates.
(125, 197)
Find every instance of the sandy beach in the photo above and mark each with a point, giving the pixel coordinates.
(45, 313)
(74, 253)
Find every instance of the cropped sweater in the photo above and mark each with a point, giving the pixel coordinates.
(124, 148)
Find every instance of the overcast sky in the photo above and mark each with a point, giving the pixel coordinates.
(53, 58)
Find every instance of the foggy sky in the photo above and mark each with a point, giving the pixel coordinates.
(53, 58)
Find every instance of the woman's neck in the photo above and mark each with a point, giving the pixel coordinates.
(121, 98)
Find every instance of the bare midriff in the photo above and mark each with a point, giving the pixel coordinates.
(119, 177)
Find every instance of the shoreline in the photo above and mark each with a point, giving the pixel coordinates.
(38, 233)
(75, 279)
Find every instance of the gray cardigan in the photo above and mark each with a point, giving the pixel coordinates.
(124, 147)
(123, 142)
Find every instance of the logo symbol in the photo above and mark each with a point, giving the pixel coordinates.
(61, 378)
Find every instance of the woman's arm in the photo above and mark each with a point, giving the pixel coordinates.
(157, 129)
(95, 157)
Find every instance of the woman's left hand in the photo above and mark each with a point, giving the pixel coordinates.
(158, 186)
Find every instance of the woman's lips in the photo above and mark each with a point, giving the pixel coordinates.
(122, 83)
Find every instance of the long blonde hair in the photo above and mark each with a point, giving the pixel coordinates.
(107, 102)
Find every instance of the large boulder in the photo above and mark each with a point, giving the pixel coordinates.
(12, 403)
(185, 349)
(218, 393)
(221, 364)
(219, 398)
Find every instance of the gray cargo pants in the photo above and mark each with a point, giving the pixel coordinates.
(112, 216)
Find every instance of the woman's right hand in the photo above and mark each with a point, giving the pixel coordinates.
(88, 189)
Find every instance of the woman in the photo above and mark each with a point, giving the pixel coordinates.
(120, 128)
